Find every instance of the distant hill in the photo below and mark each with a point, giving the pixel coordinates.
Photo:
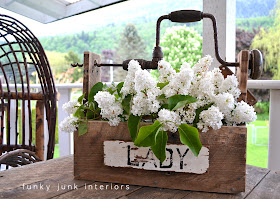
(250, 13)
(254, 8)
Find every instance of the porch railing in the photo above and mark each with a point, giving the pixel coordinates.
(66, 139)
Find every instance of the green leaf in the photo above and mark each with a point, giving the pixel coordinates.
(147, 134)
(198, 111)
(189, 136)
(97, 87)
(111, 90)
(159, 149)
(161, 85)
(92, 106)
(119, 88)
(83, 128)
(161, 97)
(177, 101)
(90, 115)
(165, 106)
(133, 125)
(79, 112)
(126, 104)
(80, 99)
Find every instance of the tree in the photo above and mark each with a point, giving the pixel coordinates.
(268, 42)
(131, 45)
(181, 44)
(244, 39)
(72, 58)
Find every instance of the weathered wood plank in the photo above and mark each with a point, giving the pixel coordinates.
(28, 174)
(92, 73)
(268, 188)
(179, 158)
(253, 177)
(153, 193)
(100, 190)
(59, 172)
(39, 138)
(227, 160)
(43, 189)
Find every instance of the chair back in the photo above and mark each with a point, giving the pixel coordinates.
(23, 63)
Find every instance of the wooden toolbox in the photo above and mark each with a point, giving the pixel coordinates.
(107, 153)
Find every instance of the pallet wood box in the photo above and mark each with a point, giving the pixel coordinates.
(227, 161)
(107, 154)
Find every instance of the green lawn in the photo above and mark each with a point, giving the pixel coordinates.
(257, 143)
(56, 151)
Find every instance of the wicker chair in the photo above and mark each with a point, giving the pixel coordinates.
(23, 62)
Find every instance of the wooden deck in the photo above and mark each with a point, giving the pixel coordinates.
(54, 179)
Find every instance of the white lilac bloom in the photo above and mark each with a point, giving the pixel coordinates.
(129, 84)
(203, 65)
(69, 124)
(71, 107)
(181, 82)
(170, 120)
(210, 118)
(187, 114)
(144, 81)
(110, 107)
(243, 113)
(166, 72)
(217, 79)
(145, 102)
(225, 102)
(206, 88)
(230, 85)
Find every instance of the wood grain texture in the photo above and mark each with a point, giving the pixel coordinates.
(154, 193)
(19, 95)
(227, 160)
(268, 188)
(92, 73)
(50, 169)
(40, 129)
(242, 74)
(250, 97)
(99, 190)
(260, 183)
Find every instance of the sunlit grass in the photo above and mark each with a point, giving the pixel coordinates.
(257, 143)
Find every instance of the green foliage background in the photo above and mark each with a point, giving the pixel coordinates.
(181, 44)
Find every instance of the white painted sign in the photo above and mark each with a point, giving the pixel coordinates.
(179, 158)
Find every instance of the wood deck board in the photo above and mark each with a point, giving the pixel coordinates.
(260, 183)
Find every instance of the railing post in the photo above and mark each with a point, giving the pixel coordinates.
(274, 132)
(65, 139)
(224, 11)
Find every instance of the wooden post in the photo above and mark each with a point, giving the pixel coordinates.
(92, 73)
(273, 161)
(40, 129)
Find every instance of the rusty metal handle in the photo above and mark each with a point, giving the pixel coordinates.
(185, 16)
